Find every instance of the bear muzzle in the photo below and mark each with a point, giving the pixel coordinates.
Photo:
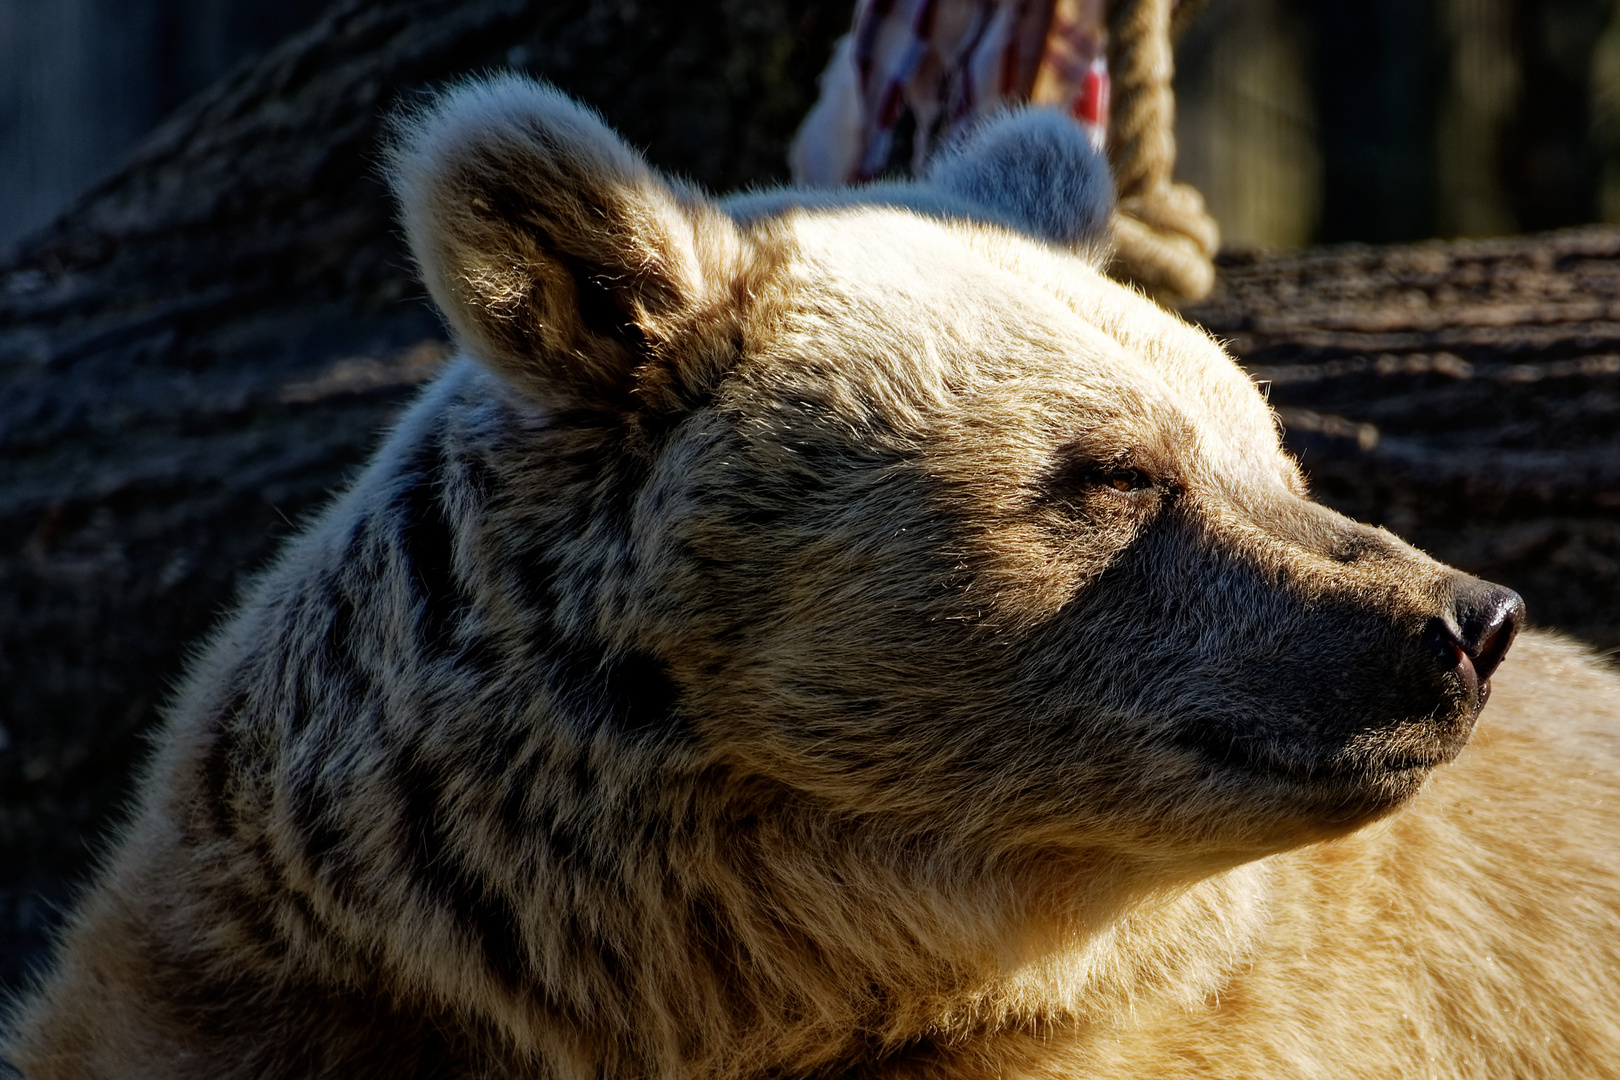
(1437, 691)
(1390, 706)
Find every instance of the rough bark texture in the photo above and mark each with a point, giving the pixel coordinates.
(199, 352)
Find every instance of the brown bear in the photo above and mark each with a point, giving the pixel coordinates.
(843, 634)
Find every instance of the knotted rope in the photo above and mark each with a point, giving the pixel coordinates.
(1164, 238)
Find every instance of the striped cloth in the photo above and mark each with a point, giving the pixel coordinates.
(932, 66)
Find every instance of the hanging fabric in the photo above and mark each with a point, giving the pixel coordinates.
(912, 73)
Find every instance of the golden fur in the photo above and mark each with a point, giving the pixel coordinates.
(839, 639)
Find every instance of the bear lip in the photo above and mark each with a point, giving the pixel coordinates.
(1257, 756)
(1372, 753)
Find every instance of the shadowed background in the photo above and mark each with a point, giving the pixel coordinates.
(1302, 121)
(206, 316)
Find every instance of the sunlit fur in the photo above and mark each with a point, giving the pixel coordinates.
(845, 639)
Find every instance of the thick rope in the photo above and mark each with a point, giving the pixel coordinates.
(1164, 238)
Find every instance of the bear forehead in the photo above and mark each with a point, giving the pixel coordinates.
(904, 310)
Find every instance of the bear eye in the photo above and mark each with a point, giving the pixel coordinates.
(1125, 478)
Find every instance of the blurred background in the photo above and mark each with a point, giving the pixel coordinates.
(82, 80)
(1312, 121)
(1302, 121)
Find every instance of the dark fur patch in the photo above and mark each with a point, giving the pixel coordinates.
(515, 812)
(632, 693)
(533, 788)
(219, 763)
(488, 919)
(337, 643)
(246, 899)
(426, 538)
(591, 689)
(323, 851)
(427, 542)
(292, 901)
(331, 662)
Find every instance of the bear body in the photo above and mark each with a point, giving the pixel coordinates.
(831, 635)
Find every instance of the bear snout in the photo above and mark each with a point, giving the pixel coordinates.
(1473, 635)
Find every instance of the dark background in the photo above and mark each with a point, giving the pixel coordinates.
(206, 316)
(1303, 120)
(82, 80)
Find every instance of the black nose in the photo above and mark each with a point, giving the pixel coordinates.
(1487, 619)
(1474, 634)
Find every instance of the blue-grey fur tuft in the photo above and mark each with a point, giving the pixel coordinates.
(1030, 169)
(1036, 170)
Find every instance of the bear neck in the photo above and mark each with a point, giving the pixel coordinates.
(756, 932)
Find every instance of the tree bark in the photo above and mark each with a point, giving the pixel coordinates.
(207, 345)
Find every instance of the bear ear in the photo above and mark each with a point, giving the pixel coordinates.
(559, 257)
(1035, 169)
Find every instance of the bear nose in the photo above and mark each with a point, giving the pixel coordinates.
(1473, 635)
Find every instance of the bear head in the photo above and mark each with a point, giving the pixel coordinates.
(918, 513)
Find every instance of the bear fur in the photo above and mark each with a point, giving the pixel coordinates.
(835, 635)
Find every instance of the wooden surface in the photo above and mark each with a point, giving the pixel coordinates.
(208, 344)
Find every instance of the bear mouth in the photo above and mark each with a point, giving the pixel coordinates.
(1375, 754)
